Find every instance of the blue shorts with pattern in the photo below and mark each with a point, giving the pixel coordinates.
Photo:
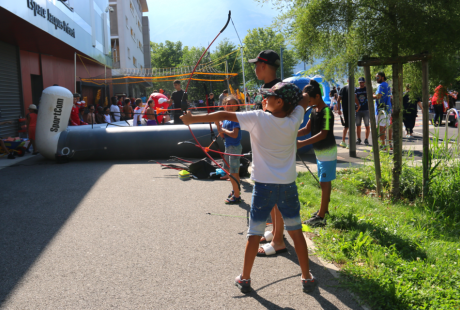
(233, 161)
(265, 197)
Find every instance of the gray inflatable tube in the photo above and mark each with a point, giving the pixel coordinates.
(56, 140)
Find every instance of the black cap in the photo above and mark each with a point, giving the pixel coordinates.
(269, 57)
(361, 79)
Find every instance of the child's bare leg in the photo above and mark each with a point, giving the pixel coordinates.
(382, 134)
(301, 250)
(278, 230)
(249, 256)
(326, 188)
(236, 190)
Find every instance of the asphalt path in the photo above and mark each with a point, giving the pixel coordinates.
(127, 234)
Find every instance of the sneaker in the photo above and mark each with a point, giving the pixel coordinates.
(343, 144)
(309, 285)
(366, 142)
(316, 221)
(316, 213)
(358, 142)
(245, 285)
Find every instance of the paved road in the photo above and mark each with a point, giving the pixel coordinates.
(126, 234)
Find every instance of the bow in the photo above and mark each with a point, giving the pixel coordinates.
(185, 96)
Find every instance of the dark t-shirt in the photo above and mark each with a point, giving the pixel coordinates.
(176, 97)
(410, 106)
(326, 149)
(361, 93)
(344, 95)
(258, 104)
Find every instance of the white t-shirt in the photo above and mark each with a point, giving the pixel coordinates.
(273, 143)
(137, 115)
(114, 108)
(107, 118)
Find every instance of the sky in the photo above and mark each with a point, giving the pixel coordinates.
(197, 22)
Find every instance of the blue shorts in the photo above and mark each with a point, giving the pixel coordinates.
(326, 170)
(265, 197)
(233, 161)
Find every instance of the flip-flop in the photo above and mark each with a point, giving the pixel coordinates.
(268, 235)
(270, 250)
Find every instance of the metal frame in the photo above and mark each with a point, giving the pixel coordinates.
(447, 127)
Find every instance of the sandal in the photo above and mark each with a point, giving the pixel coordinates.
(233, 200)
(268, 237)
(231, 194)
(269, 250)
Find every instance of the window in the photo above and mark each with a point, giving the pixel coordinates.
(132, 32)
(126, 22)
(134, 62)
(129, 53)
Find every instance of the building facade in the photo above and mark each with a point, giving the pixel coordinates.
(51, 42)
(130, 43)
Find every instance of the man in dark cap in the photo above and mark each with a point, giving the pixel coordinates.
(267, 63)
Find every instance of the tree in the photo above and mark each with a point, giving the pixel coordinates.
(343, 32)
(166, 55)
(259, 39)
(218, 57)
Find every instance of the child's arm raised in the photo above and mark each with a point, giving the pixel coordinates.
(305, 102)
(208, 118)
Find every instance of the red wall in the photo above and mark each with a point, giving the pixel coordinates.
(56, 70)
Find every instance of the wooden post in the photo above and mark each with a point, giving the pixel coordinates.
(351, 112)
(374, 131)
(426, 137)
(397, 129)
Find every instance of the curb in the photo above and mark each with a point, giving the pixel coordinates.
(333, 269)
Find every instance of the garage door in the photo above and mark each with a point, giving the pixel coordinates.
(10, 89)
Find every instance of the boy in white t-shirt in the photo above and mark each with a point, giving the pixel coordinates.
(273, 133)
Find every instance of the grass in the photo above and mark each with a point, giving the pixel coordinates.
(402, 255)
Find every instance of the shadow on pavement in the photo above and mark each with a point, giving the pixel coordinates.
(33, 209)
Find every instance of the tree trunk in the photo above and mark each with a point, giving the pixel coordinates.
(374, 131)
(397, 129)
(425, 114)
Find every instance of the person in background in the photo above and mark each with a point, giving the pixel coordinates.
(383, 103)
(127, 110)
(114, 110)
(137, 120)
(179, 102)
(31, 123)
(231, 132)
(410, 112)
(150, 113)
(222, 97)
(211, 102)
(107, 115)
(267, 63)
(438, 104)
(342, 103)
(100, 115)
(363, 111)
(333, 98)
(91, 116)
(75, 112)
